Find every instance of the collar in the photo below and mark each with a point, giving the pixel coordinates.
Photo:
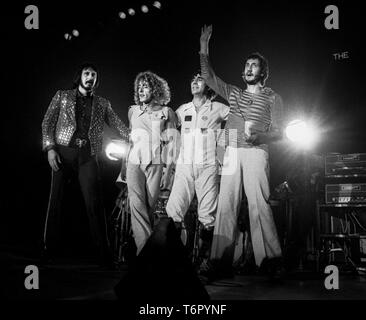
(147, 109)
(80, 95)
(207, 104)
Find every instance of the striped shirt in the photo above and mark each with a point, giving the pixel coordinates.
(262, 111)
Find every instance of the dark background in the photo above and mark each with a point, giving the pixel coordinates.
(291, 35)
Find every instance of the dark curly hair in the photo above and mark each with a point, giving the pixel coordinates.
(208, 92)
(77, 77)
(263, 65)
(160, 88)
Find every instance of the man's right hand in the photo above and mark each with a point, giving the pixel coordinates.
(206, 32)
(54, 159)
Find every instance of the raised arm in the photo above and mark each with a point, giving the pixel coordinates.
(207, 72)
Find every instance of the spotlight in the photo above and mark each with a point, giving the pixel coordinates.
(117, 150)
(301, 133)
(144, 9)
(75, 33)
(157, 4)
(122, 15)
(131, 12)
(67, 36)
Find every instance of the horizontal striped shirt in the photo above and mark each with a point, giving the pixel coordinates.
(261, 111)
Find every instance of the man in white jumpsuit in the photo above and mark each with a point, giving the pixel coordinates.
(197, 165)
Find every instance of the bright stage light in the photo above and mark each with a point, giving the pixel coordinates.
(131, 12)
(122, 15)
(117, 150)
(157, 4)
(301, 133)
(144, 9)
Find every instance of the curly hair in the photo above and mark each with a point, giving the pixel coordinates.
(160, 88)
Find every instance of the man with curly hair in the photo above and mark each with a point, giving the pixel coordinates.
(151, 121)
(197, 166)
(255, 120)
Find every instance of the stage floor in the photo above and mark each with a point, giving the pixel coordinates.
(76, 279)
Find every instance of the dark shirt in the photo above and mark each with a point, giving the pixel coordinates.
(83, 111)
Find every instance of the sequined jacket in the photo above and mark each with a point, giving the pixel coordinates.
(59, 123)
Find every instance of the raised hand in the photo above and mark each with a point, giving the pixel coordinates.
(206, 32)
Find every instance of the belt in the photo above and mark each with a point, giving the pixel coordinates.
(81, 142)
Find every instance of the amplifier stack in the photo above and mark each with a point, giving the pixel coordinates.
(345, 178)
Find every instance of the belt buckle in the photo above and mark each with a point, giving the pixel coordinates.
(80, 142)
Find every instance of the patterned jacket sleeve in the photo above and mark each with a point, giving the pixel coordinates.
(49, 122)
(116, 123)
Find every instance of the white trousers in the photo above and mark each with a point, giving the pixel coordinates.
(188, 180)
(143, 185)
(248, 168)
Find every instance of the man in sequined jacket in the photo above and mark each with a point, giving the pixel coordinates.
(72, 131)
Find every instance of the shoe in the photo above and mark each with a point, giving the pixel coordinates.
(206, 272)
(247, 269)
(209, 272)
(274, 268)
(278, 275)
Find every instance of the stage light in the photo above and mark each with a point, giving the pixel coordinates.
(117, 150)
(67, 36)
(144, 9)
(301, 133)
(75, 33)
(122, 15)
(131, 12)
(157, 4)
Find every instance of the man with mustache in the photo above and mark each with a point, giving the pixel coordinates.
(255, 120)
(72, 131)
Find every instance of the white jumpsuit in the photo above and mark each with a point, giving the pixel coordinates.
(197, 166)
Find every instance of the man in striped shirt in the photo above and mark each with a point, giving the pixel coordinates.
(254, 121)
